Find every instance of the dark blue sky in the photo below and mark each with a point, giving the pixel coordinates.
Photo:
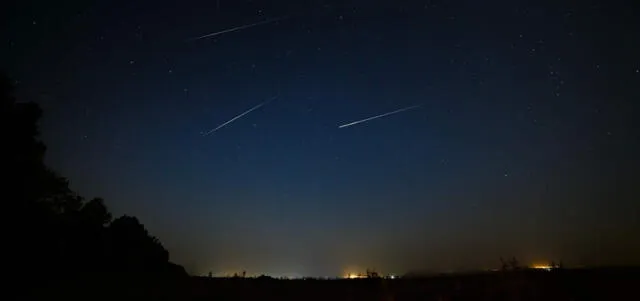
(523, 145)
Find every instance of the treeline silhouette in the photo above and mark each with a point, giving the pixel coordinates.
(54, 233)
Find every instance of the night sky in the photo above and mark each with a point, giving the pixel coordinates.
(523, 144)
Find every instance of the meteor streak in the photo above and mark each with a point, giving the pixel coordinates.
(237, 117)
(235, 29)
(378, 116)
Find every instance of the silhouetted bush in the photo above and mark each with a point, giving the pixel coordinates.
(53, 229)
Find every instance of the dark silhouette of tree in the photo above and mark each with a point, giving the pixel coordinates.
(95, 212)
(511, 264)
(133, 249)
(503, 265)
(33, 194)
(514, 264)
(53, 228)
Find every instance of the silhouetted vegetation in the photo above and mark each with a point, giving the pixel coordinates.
(58, 238)
(520, 284)
(511, 264)
(54, 232)
(372, 273)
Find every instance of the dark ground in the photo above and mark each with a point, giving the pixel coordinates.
(601, 284)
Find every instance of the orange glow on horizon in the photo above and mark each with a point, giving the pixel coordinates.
(541, 266)
(353, 276)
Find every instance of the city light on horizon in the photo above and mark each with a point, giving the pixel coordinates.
(354, 276)
(542, 267)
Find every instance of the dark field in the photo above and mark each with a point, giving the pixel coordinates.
(610, 284)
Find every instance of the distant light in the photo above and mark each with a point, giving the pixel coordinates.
(542, 267)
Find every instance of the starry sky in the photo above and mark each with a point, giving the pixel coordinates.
(523, 144)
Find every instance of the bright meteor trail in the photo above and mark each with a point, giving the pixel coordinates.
(237, 117)
(235, 29)
(378, 116)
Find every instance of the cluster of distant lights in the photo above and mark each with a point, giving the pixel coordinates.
(545, 267)
(360, 276)
(348, 276)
